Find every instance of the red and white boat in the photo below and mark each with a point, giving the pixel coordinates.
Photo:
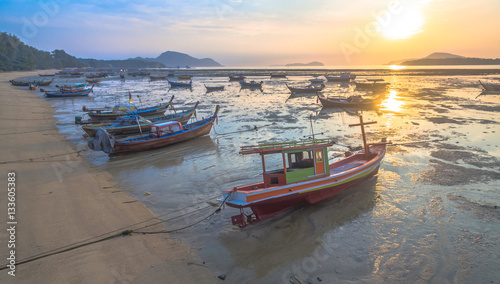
(306, 177)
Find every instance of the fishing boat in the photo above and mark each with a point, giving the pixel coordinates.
(59, 94)
(43, 83)
(184, 77)
(306, 176)
(157, 77)
(160, 135)
(93, 80)
(372, 84)
(214, 88)
(251, 84)
(180, 84)
(121, 110)
(19, 83)
(47, 75)
(307, 89)
(72, 88)
(316, 81)
(344, 77)
(351, 102)
(490, 87)
(236, 78)
(129, 124)
(35, 82)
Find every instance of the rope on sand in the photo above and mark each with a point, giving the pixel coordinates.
(125, 231)
(41, 159)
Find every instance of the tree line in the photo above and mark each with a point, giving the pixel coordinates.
(17, 56)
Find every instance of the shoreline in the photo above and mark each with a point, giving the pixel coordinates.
(61, 200)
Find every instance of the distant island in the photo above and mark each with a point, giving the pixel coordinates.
(314, 63)
(177, 59)
(442, 58)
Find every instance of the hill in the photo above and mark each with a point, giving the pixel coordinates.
(314, 63)
(442, 58)
(175, 59)
(17, 56)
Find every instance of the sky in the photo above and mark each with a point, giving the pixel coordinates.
(258, 32)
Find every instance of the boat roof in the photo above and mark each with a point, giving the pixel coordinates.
(162, 124)
(270, 148)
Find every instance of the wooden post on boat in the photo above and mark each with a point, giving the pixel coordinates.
(362, 124)
(138, 123)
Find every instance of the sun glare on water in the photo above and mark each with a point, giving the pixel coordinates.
(392, 104)
(405, 24)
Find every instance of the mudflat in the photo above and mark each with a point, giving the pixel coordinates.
(61, 201)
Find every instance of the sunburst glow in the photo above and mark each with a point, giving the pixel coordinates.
(391, 103)
(396, 67)
(405, 24)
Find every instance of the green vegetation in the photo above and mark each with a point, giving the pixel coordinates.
(17, 56)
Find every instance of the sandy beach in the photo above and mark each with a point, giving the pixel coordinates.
(61, 200)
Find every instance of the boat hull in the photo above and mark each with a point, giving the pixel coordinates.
(83, 93)
(270, 208)
(113, 116)
(146, 143)
(266, 203)
(343, 103)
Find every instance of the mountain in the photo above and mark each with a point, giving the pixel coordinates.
(174, 59)
(442, 55)
(314, 63)
(442, 58)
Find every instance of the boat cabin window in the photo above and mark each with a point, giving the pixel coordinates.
(300, 160)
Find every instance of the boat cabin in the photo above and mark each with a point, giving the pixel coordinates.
(302, 160)
(164, 128)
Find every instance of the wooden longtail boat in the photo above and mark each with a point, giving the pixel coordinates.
(180, 84)
(157, 78)
(120, 110)
(372, 84)
(36, 83)
(93, 80)
(214, 88)
(136, 124)
(490, 87)
(184, 77)
(72, 88)
(307, 89)
(236, 77)
(278, 76)
(19, 83)
(316, 81)
(251, 84)
(352, 101)
(306, 177)
(59, 94)
(344, 77)
(43, 83)
(160, 135)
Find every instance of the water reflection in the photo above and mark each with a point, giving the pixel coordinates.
(392, 103)
(298, 233)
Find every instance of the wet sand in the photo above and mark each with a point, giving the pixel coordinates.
(62, 201)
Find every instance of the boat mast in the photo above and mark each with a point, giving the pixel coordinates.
(362, 124)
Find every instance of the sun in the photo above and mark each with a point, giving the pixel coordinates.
(405, 24)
